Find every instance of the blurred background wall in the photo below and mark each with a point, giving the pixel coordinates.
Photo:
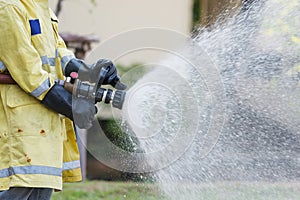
(107, 18)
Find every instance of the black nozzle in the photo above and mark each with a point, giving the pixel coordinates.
(119, 98)
(116, 98)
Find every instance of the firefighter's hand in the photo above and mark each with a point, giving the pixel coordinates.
(108, 72)
(103, 70)
(79, 110)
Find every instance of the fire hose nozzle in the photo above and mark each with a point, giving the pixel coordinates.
(88, 91)
(119, 98)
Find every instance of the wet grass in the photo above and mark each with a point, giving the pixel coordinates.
(97, 190)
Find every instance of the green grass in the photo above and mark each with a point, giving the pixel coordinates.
(97, 190)
(242, 191)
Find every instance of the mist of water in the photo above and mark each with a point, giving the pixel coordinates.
(233, 103)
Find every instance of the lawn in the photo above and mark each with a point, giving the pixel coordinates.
(97, 190)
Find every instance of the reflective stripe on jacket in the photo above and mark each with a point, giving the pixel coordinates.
(37, 147)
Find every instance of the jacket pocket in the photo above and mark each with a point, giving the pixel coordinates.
(26, 115)
(15, 97)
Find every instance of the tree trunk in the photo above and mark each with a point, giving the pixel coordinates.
(58, 7)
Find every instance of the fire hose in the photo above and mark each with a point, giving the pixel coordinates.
(84, 89)
(6, 79)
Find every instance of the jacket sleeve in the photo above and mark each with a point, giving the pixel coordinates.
(18, 54)
(64, 53)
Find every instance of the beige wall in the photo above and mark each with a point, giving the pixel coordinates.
(111, 17)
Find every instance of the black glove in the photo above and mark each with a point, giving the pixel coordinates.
(92, 72)
(81, 111)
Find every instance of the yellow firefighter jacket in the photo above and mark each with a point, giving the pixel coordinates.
(37, 147)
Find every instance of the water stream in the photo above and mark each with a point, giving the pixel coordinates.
(219, 117)
(225, 109)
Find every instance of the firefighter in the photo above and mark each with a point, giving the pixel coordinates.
(38, 147)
